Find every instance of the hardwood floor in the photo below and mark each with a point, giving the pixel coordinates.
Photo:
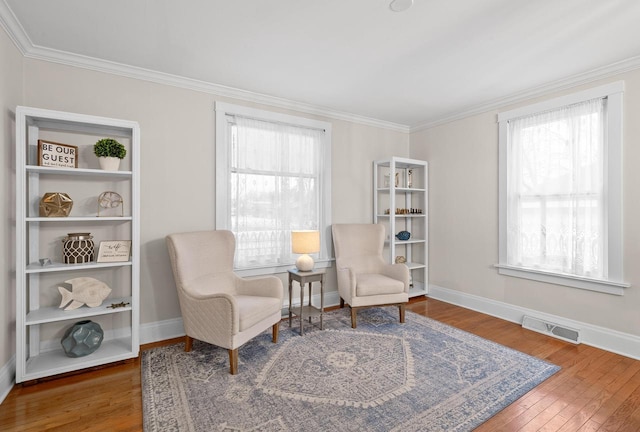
(595, 390)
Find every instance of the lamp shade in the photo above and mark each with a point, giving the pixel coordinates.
(305, 242)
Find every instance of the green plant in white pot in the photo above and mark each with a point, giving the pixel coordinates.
(109, 152)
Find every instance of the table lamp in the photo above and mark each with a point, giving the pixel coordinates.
(305, 242)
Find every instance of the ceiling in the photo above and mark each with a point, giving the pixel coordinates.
(437, 61)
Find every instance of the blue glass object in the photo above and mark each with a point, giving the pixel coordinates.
(81, 339)
(403, 235)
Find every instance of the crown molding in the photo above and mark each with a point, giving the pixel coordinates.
(69, 59)
(608, 71)
(9, 22)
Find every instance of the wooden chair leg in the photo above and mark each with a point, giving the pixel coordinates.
(274, 331)
(353, 317)
(341, 302)
(233, 361)
(188, 343)
(401, 307)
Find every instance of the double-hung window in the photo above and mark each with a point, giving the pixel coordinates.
(272, 176)
(561, 190)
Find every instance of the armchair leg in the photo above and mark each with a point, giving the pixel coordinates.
(188, 343)
(341, 302)
(353, 317)
(401, 307)
(274, 331)
(233, 361)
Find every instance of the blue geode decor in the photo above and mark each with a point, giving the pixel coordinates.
(81, 339)
(403, 235)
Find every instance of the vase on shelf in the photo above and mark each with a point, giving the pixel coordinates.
(81, 339)
(78, 248)
(55, 204)
(108, 163)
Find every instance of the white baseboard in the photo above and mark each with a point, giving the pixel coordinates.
(7, 378)
(161, 330)
(607, 339)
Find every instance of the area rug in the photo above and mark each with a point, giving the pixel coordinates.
(383, 376)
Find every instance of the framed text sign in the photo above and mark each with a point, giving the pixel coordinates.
(52, 154)
(114, 251)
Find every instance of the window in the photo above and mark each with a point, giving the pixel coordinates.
(561, 190)
(272, 176)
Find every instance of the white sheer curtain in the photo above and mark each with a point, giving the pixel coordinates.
(275, 188)
(555, 190)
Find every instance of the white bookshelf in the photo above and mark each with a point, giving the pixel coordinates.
(39, 321)
(402, 205)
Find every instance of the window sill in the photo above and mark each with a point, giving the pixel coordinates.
(270, 270)
(599, 285)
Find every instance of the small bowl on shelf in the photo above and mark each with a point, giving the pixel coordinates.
(403, 235)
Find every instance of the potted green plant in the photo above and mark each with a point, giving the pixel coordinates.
(109, 152)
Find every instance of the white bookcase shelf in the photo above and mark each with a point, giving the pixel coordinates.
(77, 171)
(401, 203)
(39, 321)
(61, 267)
(52, 314)
(80, 219)
(55, 362)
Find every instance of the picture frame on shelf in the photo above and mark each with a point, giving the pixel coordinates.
(114, 251)
(58, 155)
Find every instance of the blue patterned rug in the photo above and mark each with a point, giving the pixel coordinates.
(383, 376)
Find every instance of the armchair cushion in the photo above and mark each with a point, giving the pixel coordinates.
(370, 284)
(253, 309)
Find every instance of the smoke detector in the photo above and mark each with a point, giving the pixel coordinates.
(400, 5)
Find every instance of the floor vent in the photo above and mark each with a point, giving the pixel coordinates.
(551, 329)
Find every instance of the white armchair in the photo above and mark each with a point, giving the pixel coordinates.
(364, 278)
(218, 306)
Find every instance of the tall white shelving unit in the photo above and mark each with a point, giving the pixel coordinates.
(400, 202)
(40, 323)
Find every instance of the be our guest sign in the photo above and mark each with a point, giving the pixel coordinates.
(51, 154)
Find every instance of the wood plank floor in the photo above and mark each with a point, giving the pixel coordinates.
(595, 390)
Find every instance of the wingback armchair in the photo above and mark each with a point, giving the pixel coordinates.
(364, 278)
(218, 306)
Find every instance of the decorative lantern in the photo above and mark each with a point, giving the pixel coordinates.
(78, 248)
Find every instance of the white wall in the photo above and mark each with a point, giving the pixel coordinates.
(10, 96)
(177, 153)
(463, 220)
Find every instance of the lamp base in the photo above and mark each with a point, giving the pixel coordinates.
(304, 263)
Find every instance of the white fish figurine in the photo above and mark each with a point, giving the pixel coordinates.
(84, 290)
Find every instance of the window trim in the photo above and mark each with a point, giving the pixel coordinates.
(613, 284)
(222, 203)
